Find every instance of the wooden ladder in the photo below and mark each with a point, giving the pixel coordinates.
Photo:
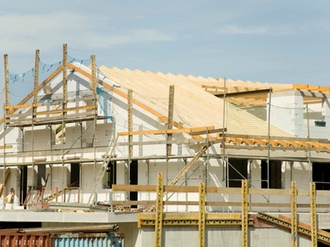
(108, 155)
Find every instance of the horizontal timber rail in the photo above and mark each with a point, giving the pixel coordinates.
(192, 131)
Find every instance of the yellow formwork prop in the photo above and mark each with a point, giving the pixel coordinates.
(245, 216)
(201, 224)
(294, 224)
(313, 214)
(159, 210)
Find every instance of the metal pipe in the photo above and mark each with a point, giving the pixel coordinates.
(89, 228)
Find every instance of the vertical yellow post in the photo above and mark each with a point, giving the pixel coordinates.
(245, 216)
(159, 210)
(294, 225)
(201, 223)
(313, 214)
(130, 122)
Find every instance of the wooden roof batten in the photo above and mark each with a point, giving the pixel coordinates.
(276, 142)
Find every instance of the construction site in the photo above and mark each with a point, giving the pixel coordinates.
(138, 158)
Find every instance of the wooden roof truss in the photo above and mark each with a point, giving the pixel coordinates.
(275, 143)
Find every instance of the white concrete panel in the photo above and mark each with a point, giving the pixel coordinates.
(41, 139)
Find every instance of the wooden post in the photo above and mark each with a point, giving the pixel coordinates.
(170, 119)
(130, 122)
(93, 86)
(294, 224)
(159, 210)
(7, 88)
(313, 214)
(36, 82)
(201, 223)
(93, 81)
(245, 216)
(65, 78)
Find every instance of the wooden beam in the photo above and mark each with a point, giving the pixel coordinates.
(130, 122)
(36, 82)
(65, 77)
(170, 119)
(93, 75)
(160, 132)
(188, 166)
(208, 131)
(16, 107)
(7, 87)
(57, 111)
(2, 186)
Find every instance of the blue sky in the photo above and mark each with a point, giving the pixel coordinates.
(266, 41)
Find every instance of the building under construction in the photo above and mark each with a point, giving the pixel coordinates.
(172, 160)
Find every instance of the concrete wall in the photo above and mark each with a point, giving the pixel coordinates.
(289, 113)
(226, 237)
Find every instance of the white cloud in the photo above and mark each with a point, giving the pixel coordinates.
(254, 30)
(129, 37)
(25, 33)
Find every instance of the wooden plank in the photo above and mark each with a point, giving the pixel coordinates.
(133, 203)
(7, 88)
(300, 86)
(6, 147)
(36, 81)
(190, 142)
(130, 122)
(166, 131)
(173, 188)
(258, 191)
(57, 111)
(135, 188)
(65, 77)
(15, 107)
(208, 131)
(2, 186)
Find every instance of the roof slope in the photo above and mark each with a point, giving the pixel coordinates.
(193, 106)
